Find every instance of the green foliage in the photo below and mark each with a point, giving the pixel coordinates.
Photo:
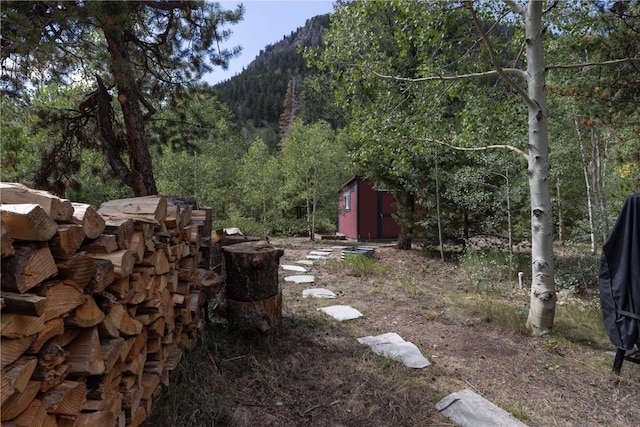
(312, 163)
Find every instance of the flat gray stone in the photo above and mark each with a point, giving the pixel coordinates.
(306, 262)
(392, 345)
(293, 268)
(318, 293)
(316, 257)
(320, 253)
(468, 409)
(341, 312)
(300, 279)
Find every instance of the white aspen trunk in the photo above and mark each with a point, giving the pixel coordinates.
(560, 224)
(598, 184)
(587, 181)
(510, 227)
(543, 295)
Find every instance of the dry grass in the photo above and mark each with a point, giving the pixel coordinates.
(471, 328)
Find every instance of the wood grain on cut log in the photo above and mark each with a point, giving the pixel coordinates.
(111, 350)
(62, 297)
(95, 419)
(19, 325)
(34, 415)
(55, 207)
(79, 268)
(86, 315)
(151, 209)
(122, 228)
(102, 244)
(66, 241)
(122, 260)
(92, 223)
(65, 399)
(25, 304)
(13, 348)
(6, 242)
(19, 401)
(103, 275)
(30, 265)
(118, 318)
(28, 222)
(85, 354)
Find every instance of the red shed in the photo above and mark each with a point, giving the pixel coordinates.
(365, 212)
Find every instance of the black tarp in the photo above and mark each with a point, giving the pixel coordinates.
(620, 277)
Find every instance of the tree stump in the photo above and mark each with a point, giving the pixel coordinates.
(254, 298)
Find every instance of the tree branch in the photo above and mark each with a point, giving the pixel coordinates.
(494, 59)
(515, 7)
(469, 76)
(487, 147)
(591, 64)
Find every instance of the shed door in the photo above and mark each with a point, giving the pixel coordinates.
(387, 226)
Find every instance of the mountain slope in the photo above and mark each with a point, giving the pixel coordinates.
(257, 94)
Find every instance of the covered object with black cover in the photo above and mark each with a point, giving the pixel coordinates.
(620, 280)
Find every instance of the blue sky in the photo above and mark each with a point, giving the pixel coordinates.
(265, 22)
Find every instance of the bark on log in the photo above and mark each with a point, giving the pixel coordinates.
(30, 265)
(79, 269)
(55, 207)
(92, 222)
(25, 304)
(253, 292)
(252, 270)
(28, 222)
(17, 376)
(51, 328)
(264, 316)
(6, 242)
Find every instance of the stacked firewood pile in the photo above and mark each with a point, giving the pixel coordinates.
(97, 306)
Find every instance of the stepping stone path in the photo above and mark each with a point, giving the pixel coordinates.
(306, 262)
(293, 268)
(318, 293)
(392, 345)
(341, 312)
(300, 279)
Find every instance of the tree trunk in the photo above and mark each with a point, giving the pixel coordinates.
(253, 292)
(142, 179)
(543, 295)
(406, 209)
(587, 181)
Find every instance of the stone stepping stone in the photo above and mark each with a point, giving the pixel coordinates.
(392, 345)
(293, 268)
(316, 257)
(341, 312)
(306, 262)
(467, 408)
(318, 293)
(300, 279)
(320, 253)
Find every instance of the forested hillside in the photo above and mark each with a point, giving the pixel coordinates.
(257, 94)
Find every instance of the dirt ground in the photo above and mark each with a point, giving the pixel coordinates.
(317, 374)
